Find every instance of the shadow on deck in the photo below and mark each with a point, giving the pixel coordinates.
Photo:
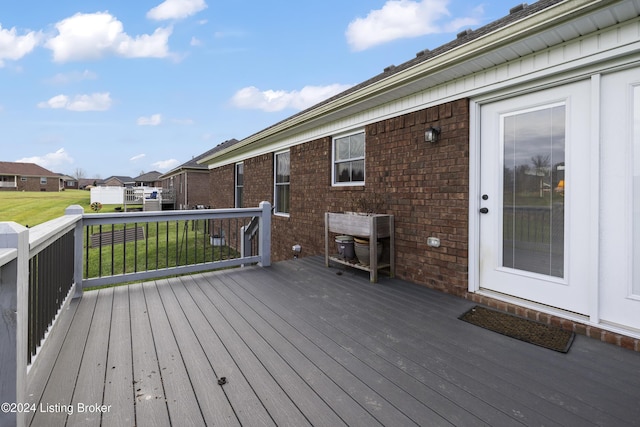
(301, 344)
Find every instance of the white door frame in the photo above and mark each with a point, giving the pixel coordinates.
(474, 205)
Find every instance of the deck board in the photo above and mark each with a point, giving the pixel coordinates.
(264, 342)
(118, 384)
(180, 395)
(90, 382)
(279, 405)
(212, 402)
(302, 344)
(55, 406)
(241, 398)
(149, 397)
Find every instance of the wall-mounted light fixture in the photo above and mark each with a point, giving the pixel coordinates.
(432, 134)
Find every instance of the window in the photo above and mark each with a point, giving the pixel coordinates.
(348, 160)
(282, 178)
(43, 180)
(239, 184)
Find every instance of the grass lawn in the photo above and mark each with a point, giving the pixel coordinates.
(33, 208)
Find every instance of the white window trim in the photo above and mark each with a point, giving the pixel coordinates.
(235, 186)
(275, 183)
(333, 160)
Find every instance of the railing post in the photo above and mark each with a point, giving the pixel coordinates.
(14, 300)
(77, 249)
(264, 235)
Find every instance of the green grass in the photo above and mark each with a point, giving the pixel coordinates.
(31, 208)
(167, 244)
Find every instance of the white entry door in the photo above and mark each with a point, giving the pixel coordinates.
(534, 196)
(620, 199)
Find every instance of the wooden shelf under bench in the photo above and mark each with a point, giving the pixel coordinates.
(376, 227)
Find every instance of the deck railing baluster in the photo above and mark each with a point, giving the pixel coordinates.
(124, 251)
(113, 254)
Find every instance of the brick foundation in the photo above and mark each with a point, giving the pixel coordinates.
(570, 325)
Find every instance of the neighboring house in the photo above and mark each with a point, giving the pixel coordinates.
(532, 187)
(149, 179)
(27, 177)
(93, 182)
(190, 180)
(68, 182)
(118, 181)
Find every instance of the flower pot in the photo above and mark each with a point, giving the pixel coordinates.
(345, 247)
(362, 251)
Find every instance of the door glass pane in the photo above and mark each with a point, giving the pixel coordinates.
(533, 190)
(636, 191)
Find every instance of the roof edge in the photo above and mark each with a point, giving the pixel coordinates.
(528, 25)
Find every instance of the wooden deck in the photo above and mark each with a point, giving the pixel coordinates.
(301, 344)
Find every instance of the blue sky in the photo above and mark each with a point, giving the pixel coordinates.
(122, 87)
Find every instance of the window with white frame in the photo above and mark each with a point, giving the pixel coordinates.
(239, 184)
(43, 180)
(348, 159)
(282, 178)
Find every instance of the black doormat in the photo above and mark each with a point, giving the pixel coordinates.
(537, 333)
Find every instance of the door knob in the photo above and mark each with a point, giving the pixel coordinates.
(484, 210)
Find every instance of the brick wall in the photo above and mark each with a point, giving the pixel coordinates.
(258, 180)
(221, 187)
(33, 184)
(424, 185)
(198, 188)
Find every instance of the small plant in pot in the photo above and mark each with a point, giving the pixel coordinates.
(367, 204)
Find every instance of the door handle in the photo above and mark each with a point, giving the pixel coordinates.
(484, 210)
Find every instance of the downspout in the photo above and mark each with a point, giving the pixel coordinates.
(186, 189)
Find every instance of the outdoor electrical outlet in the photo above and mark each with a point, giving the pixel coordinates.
(433, 242)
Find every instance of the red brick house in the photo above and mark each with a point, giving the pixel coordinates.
(190, 181)
(117, 181)
(517, 145)
(16, 176)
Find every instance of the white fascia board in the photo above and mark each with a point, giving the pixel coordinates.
(517, 30)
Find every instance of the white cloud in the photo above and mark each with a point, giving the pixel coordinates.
(176, 9)
(93, 102)
(138, 157)
(164, 165)
(14, 47)
(95, 35)
(72, 77)
(277, 100)
(195, 42)
(153, 120)
(52, 161)
(399, 19)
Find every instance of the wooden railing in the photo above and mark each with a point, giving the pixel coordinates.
(173, 242)
(43, 268)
